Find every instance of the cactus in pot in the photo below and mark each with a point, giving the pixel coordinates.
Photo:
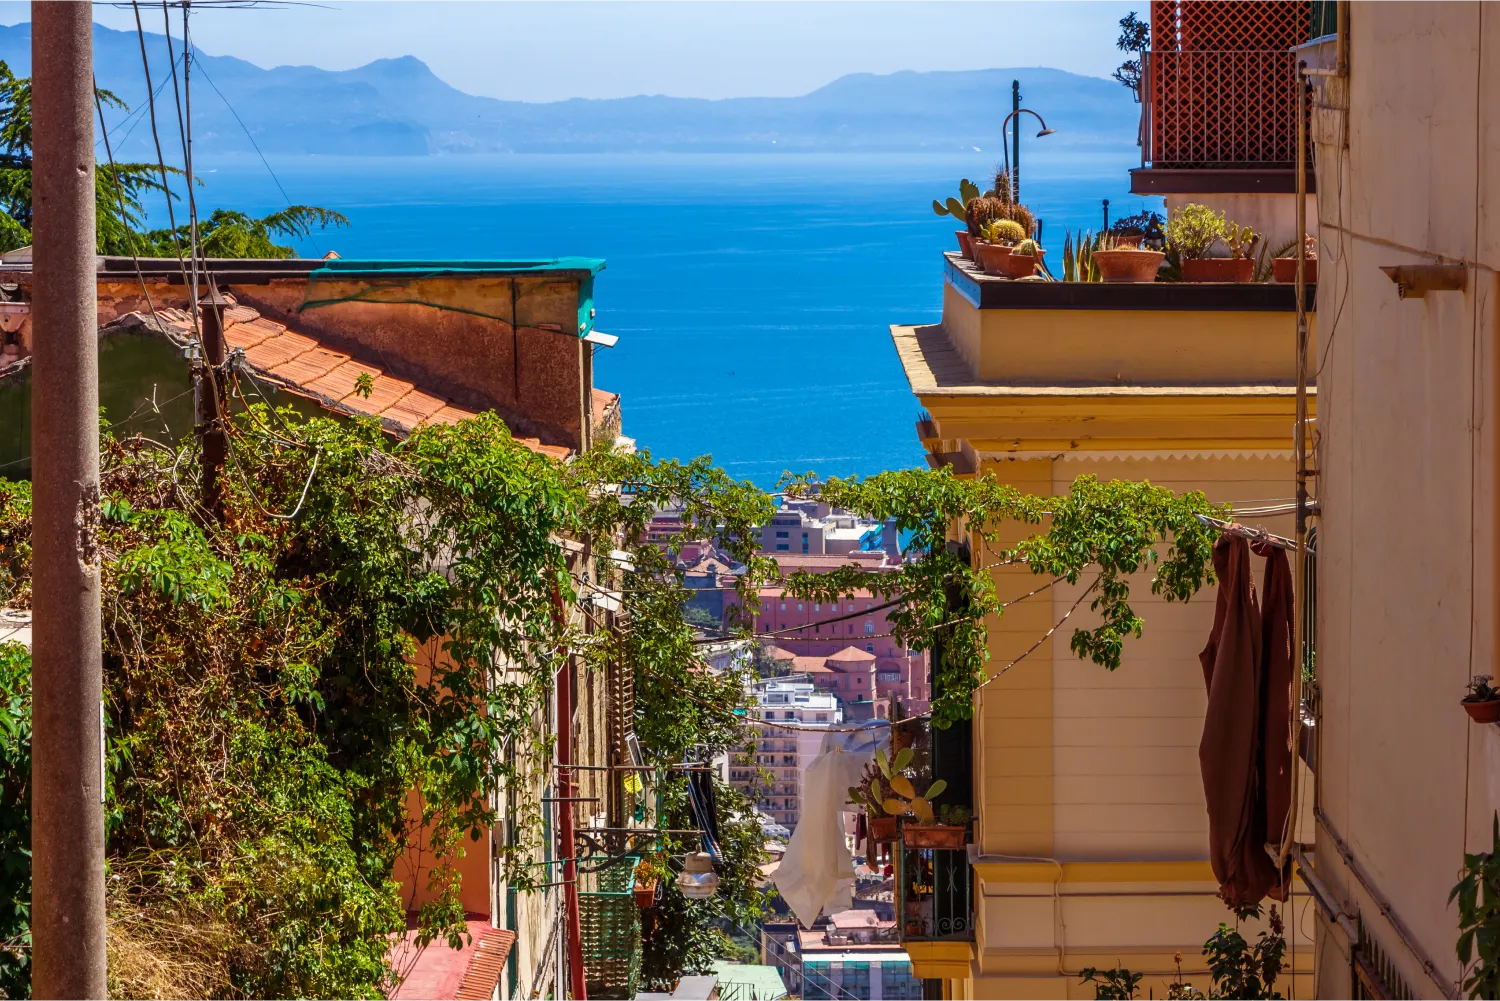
(957, 207)
(1003, 231)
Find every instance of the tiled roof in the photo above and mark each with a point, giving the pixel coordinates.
(483, 974)
(852, 653)
(779, 653)
(811, 665)
(300, 364)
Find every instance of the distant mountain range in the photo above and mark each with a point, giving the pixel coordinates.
(400, 107)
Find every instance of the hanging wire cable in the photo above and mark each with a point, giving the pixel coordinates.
(120, 201)
(160, 160)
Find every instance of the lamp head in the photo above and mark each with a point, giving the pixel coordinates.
(697, 880)
(1045, 132)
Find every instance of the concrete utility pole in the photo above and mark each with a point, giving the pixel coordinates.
(67, 815)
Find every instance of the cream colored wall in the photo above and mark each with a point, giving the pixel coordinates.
(1131, 347)
(1127, 779)
(1407, 403)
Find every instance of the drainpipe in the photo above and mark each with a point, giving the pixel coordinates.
(577, 986)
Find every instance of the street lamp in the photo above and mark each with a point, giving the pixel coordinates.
(697, 880)
(1015, 171)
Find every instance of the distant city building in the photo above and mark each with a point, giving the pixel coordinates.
(774, 774)
(809, 527)
(849, 954)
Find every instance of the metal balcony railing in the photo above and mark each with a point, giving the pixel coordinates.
(936, 898)
(1219, 109)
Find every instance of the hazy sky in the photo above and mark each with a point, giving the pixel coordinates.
(693, 48)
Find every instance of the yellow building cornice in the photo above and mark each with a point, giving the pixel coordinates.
(1094, 872)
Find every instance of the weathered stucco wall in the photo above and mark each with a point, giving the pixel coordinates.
(507, 343)
(1407, 528)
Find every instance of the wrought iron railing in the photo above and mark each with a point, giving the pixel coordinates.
(1219, 109)
(936, 898)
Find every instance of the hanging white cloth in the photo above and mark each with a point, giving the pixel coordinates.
(816, 874)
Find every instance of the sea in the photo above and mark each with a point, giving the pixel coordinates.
(752, 294)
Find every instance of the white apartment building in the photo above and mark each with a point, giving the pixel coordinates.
(774, 775)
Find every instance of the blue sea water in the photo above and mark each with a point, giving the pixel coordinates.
(752, 294)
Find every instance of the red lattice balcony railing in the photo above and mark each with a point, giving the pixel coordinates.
(1214, 109)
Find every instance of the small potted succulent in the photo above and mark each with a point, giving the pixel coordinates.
(949, 829)
(998, 239)
(1284, 269)
(1483, 701)
(958, 209)
(1121, 259)
(1021, 261)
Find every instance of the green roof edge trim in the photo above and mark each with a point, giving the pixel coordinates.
(589, 265)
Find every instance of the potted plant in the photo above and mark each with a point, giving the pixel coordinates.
(645, 885)
(876, 789)
(950, 831)
(1284, 269)
(1121, 261)
(998, 238)
(1192, 232)
(1483, 701)
(958, 209)
(1021, 261)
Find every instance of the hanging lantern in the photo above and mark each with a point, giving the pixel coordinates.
(697, 880)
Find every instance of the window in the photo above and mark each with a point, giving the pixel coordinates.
(851, 629)
(817, 607)
(869, 647)
(781, 535)
(799, 606)
(822, 717)
(869, 629)
(783, 606)
(782, 547)
(804, 535)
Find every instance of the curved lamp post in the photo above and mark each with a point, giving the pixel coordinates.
(1015, 172)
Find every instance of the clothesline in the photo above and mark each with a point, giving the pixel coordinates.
(1253, 534)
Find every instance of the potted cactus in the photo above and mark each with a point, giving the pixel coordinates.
(958, 209)
(998, 237)
(1021, 261)
(1121, 259)
(950, 829)
(1284, 269)
(876, 790)
(1483, 701)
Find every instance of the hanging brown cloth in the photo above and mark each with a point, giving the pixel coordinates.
(1276, 611)
(1230, 753)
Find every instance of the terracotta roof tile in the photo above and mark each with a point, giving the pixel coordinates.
(239, 314)
(384, 393)
(852, 653)
(603, 400)
(450, 415)
(339, 382)
(414, 408)
(488, 962)
(274, 351)
(310, 366)
(248, 333)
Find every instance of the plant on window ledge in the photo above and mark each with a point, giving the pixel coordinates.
(1118, 983)
(1483, 701)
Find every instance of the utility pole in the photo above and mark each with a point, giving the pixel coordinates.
(1015, 155)
(208, 395)
(67, 764)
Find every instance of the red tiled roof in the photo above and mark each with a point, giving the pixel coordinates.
(300, 364)
(483, 975)
(603, 401)
(436, 970)
(779, 653)
(851, 653)
(811, 665)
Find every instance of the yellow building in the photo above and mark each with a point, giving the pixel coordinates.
(1092, 834)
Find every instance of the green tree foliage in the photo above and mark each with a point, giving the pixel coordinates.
(1118, 984)
(118, 192)
(1242, 969)
(15, 820)
(227, 233)
(1115, 529)
(1478, 895)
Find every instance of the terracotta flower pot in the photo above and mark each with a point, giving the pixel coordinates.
(1483, 712)
(645, 894)
(1218, 269)
(883, 830)
(1018, 265)
(1128, 241)
(989, 256)
(965, 243)
(934, 836)
(1284, 270)
(1124, 264)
